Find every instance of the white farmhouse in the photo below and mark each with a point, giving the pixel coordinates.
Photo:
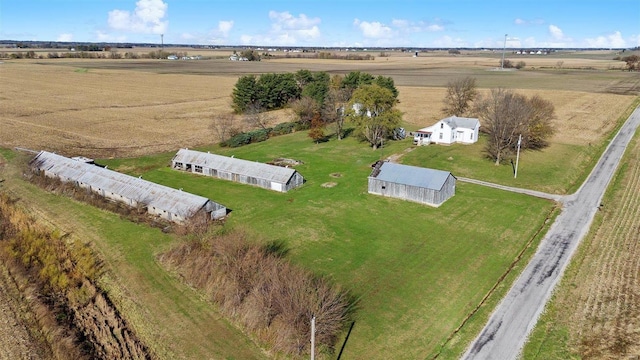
(449, 131)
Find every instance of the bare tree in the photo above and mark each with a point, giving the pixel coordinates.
(507, 115)
(460, 95)
(333, 110)
(255, 116)
(539, 126)
(305, 108)
(504, 117)
(223, 126)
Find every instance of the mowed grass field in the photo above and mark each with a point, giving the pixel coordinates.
(419, 272)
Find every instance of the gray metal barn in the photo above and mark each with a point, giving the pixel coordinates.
(426, 186)
(168, 203)
(266, 176)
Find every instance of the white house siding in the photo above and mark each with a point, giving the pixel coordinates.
(453, 130)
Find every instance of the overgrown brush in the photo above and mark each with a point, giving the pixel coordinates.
(64, 275)
(257, 287)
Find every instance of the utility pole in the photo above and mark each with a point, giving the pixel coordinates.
(515, 173)
(313, 337)
(161, 44)
(504, 47)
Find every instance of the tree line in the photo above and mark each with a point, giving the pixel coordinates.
(319, 99)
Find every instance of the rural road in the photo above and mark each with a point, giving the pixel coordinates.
(513, 319)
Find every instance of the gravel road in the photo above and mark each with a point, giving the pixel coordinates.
(511, 322)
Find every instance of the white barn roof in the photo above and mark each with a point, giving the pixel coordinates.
(237, 166)
(412, 175)
(159, 196)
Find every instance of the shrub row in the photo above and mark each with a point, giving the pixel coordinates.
(268, 296)
(254, 136)
(64, 274)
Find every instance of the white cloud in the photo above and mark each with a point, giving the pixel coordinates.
(520, 21)
(414, 27)
(613, 40)
(224, 27)
(148, 17)
(374, 30)
(556, 32)
(286, 30)
(65, 37)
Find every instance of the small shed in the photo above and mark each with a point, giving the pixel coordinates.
(266, 176)
(422, 185)
(165, 202)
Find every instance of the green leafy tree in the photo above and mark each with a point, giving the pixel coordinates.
(372, 109)
(318, 87)
(355, 79)
(276, 90)
(387, 82)
(245, 92)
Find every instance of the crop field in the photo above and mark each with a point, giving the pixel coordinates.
(419, 272)
(595, 313)
(119, 108)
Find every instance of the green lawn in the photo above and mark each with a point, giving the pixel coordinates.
(418, 271)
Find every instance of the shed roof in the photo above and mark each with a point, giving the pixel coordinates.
(258, 170)
(159, 196)
(411, 175)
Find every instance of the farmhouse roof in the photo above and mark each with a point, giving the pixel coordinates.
(159, 196)
(461, 122)
(258, 170)
(412, 175)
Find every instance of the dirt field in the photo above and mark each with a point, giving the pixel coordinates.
(15, 341)
(110, 108)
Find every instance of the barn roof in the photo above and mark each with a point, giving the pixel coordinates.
(411, 175)
(159, 196)
(461, 122)
(258, 170)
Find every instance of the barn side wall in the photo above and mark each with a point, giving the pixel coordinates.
(295, 181)
(413, 193)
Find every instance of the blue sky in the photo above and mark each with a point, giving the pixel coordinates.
(345, 23)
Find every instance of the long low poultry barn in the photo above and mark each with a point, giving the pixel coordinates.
(165, 202)
(266, 176)
(426, 186)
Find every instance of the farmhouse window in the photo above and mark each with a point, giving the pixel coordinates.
(383, 187)
(440, 136)
(198, 169)
(441, 125)
(178, 165)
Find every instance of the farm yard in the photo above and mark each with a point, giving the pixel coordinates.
(417, 281)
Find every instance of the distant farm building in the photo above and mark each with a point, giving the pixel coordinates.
(165, 202)
(422, 185)
(266, 176)
(449, 131)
